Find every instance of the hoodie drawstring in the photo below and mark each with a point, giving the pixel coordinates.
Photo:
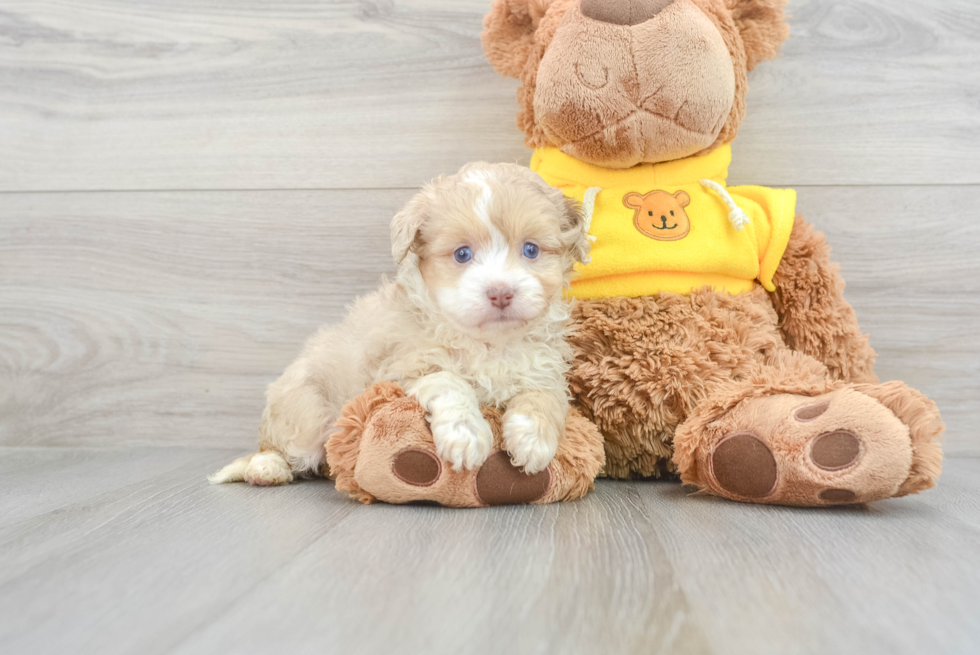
(738, 217)
(588, 208)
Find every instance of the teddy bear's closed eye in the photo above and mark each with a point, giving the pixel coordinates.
(592, 74)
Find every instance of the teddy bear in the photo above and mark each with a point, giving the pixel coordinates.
(712, 338)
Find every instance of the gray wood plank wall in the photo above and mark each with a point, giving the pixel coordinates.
(188, 189)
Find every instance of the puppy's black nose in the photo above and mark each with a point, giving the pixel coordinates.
(624, 12)
(500, 296)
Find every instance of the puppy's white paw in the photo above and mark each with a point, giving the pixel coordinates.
(463, 438)
(531, 443)
(268, 469)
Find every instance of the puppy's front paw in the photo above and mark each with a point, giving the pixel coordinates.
(463, 438)
(531, 442)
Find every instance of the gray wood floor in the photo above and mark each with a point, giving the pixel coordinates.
(128, 550)
(187, 189)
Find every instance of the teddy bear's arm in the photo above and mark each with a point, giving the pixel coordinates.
(814, 317)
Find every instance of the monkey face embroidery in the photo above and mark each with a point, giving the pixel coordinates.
(660, 215)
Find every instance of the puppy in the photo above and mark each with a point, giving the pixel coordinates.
(476, 316)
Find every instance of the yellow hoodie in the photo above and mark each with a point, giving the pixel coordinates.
(672, 227)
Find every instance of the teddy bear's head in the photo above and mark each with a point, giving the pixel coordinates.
(622, 82)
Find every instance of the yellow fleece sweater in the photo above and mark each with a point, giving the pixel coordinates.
(673, 227)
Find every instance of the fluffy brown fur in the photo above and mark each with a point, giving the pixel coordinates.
(762, 25)
(643, 365)
(510, 33)
(815, 318)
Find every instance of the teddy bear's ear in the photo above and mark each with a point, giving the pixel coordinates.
(762, 24)
(683, 199)
(633, 200)
(508, 33)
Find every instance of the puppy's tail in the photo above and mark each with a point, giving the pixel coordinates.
(234, 472)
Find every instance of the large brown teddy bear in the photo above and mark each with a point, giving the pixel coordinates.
(713, 340)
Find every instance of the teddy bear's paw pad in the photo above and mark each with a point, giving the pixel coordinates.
(835, 451)
(744, 466)
(811, 412)
(843, 447)
(418, 468)
(501, 483)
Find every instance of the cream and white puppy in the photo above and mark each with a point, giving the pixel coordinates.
(476, 316)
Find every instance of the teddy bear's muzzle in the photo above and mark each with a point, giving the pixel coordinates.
(617, 95)
(623, 12)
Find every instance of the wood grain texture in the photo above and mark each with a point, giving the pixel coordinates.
(169, 564)
(136, 318)
(226, 94)
(152, 318)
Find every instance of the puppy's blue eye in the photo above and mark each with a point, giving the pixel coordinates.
(463, 255)
(531, 251)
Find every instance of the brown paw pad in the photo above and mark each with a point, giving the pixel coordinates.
(501, 483)
(744, 466)
(834, 451)
(838, 496)
(812, 412)
(418, 468)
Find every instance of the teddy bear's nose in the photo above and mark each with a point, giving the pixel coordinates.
(624, 12)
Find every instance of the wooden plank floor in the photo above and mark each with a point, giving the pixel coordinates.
(188, 189)
(129, 550)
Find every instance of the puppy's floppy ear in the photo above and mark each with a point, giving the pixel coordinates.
(762, 24)
(406, 224)
(574, 231)
(508, 33)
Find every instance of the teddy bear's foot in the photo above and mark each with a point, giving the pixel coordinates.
(496, 482)
(384, 452)
(397, 463)
(852, 444)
